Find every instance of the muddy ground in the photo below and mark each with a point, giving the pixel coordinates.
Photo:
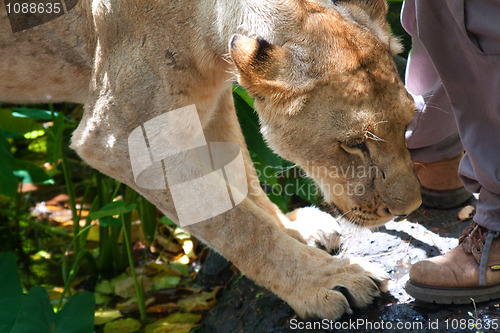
(245, 307)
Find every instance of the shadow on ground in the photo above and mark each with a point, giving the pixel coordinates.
(245, 307)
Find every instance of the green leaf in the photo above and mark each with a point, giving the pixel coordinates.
(114, 208)
(35, 313)
(249, 123)
(109, 221)
(186, 318)
(77, 316)
(15, 127)
(127, 325)
(10, 291)
(182, 268)
(33, 113)
(8, 181)
(31, 173)
(147, 214)
(307, 190)
(244, 94)
(163, 281)
(54, 140)
(167, 221)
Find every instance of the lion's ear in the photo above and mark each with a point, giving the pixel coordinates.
(372, 15)
(376, 9)
(259, 64)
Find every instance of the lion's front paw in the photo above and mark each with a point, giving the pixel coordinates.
(316, 228)
(331, 295)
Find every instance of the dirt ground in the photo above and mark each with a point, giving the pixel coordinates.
(245, 307)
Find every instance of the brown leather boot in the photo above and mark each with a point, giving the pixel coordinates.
(441, 186)
(471, 270)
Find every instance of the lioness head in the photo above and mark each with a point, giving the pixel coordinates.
(330, 100)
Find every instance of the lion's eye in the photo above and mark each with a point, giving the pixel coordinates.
(358, 145)
(354, 146)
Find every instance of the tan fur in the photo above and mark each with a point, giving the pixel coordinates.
(323, 79)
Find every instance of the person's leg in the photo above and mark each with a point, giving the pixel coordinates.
(463, 42)
(432, 136)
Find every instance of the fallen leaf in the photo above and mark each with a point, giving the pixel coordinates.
(162, 308)
(127, 325)
(182, 268)
(61, 216)
(122, 276)
(102, 316)
(125, 288)
(466, 213)
(163, 281)
(185, 318)
(169, 328)
(175, 323)
(200, 302)
(104, 287)
(131, 305)
(94, 233)
(101, 299)
(153, 268)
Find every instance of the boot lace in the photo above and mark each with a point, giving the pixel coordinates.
(473, 239)
(478, 239)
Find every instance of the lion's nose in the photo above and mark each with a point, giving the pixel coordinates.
(404, 207)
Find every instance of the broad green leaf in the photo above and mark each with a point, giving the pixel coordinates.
(251, 129)
(268, 175)
(10, 291)
(109, 221)
(243, 94)
(35, 313)
(114, 208)
(307, 190)
(77, 316)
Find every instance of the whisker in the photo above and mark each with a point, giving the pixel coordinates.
(371, 136)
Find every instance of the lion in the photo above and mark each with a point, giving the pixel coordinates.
(326, 91)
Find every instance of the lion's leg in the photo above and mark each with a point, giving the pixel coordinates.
(307, 278)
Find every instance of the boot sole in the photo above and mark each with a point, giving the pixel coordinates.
(444, 199)
(444, 295)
